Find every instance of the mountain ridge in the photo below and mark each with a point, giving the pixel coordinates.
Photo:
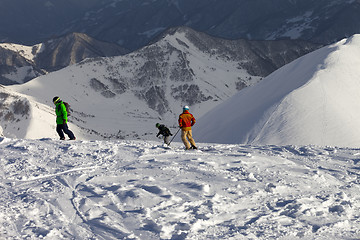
(49, 56)
(322, 21)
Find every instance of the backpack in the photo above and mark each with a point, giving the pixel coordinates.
(68, 108)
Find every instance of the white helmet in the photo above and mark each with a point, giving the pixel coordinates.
(186, 108)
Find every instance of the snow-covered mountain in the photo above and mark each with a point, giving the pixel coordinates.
(313, 100)
(73, 48)
(19, 63)
(54, 190)
(133, 23)
(16, 65)
(124, 96)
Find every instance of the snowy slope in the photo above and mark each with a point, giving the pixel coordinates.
(313, 100)
(22, 117)
(139, 190)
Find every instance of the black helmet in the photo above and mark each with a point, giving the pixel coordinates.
(56, 100)
(157, 125)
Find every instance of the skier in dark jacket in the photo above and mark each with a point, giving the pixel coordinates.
(163, 130)
(61, 120)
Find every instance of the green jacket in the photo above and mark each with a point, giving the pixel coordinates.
(61, 113)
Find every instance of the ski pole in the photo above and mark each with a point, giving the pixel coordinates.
(174, 136)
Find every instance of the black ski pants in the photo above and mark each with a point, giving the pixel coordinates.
(63, 128)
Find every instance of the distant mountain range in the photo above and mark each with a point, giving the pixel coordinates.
(73, 48)
(19, 63)
(134, 23)
(124, 96)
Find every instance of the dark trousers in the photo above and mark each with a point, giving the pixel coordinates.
(167, 139)
(63, 128)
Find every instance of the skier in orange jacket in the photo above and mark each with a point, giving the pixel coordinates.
(186, 121)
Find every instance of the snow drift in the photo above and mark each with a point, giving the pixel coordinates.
(313, 100)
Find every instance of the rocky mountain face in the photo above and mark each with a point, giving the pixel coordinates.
(19, 64)
(14, 68)
(259, 58)
(182, 61)
(73, 48)
(133, 23)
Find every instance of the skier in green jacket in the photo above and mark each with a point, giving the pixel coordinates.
(61, 119)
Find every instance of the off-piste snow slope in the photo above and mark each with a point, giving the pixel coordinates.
(137, 190)
(313, 100)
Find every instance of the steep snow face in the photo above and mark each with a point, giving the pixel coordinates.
(16, 63)
(139, 190)
(28, 52)
(313, 100)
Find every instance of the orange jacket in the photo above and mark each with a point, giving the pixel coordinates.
(186, 121)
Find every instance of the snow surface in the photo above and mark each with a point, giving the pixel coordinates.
(52, 189)
(21, 74)
(313, 100)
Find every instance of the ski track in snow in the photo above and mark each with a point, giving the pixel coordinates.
(139, 190)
